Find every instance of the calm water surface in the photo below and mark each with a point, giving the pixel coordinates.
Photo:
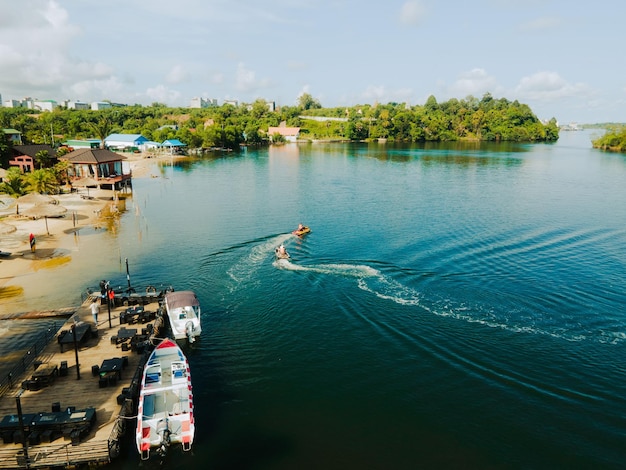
(454, 306)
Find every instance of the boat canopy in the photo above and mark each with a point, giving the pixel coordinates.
(184, 298)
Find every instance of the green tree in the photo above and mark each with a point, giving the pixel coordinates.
(306, 101)
(42, 181)
(42, 158)
(102, 128)
(13, 183)
(5, 149)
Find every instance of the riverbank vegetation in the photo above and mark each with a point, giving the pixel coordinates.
(613, 140)
(228, 126)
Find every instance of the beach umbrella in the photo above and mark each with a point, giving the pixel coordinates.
(36, 198)
(45, 210)
(7, 228)
(85, 182)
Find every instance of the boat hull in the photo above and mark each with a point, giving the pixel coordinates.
(183, 312)
(165, 410)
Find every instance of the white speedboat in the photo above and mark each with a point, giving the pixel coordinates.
(165, 410)
(183, 312)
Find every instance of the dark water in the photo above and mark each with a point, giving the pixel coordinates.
(454, 306)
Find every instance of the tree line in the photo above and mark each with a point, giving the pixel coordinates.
(228, 126)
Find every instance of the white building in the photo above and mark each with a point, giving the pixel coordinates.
(99, 105)
(203, 103)
(77, 105)
(45, 105)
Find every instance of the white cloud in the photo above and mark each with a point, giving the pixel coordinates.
(381, 94)
(412, 13)
(246, 81)
(177, 74)
(549, 86)
(544, 23)
(162, 94)
(475, 82)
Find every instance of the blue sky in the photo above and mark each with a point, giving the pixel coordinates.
(563, 58)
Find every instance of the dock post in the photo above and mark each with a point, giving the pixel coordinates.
(22, 432)
(76, 352)
(109, 305)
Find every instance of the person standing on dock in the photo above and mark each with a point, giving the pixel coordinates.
(95, 308)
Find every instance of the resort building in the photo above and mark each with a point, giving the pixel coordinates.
(125, 142)
(105, 168)
(83, 144)
(25, 156)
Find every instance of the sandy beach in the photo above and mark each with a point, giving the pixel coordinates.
(55, 233)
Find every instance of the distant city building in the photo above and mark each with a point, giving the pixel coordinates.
(202, 103)
(235, 103)
(77, 105)
(99, 105)
(44, 105)
(12, 104)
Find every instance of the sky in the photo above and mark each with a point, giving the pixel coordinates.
(564, 59)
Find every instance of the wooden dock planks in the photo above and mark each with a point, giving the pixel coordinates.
(71, 391)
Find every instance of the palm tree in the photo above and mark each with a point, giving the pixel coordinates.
(61, 170)
(42, 158)
(42, 181)
(13, 182)
(102, 129)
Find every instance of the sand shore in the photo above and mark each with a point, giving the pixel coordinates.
(81, 212)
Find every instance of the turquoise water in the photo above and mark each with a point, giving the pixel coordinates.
(454, 306)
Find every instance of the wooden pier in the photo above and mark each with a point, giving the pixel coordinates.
(75, 415)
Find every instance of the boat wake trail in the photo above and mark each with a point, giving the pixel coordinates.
(368, 279)
(243, 272)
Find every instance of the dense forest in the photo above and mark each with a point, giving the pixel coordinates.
(230, 126)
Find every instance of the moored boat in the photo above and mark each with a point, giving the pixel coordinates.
(165, 410)
(183, 311)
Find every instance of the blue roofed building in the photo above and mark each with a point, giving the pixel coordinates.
(174, 145)
(125, 142)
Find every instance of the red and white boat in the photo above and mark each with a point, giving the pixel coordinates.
(165, 411)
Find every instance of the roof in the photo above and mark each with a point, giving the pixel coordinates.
(183, 298)
(173, 143)
(92, 156)
(130, 138)
(284, 131)
(33, 150)
(11, 131)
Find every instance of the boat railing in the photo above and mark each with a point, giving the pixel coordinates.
(8, 382)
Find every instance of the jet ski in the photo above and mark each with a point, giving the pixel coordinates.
(281, 253)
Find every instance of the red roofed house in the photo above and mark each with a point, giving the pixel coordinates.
(290, 134)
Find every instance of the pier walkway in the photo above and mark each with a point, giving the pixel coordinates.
(77, 399)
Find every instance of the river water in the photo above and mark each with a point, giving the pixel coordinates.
(455, 305)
